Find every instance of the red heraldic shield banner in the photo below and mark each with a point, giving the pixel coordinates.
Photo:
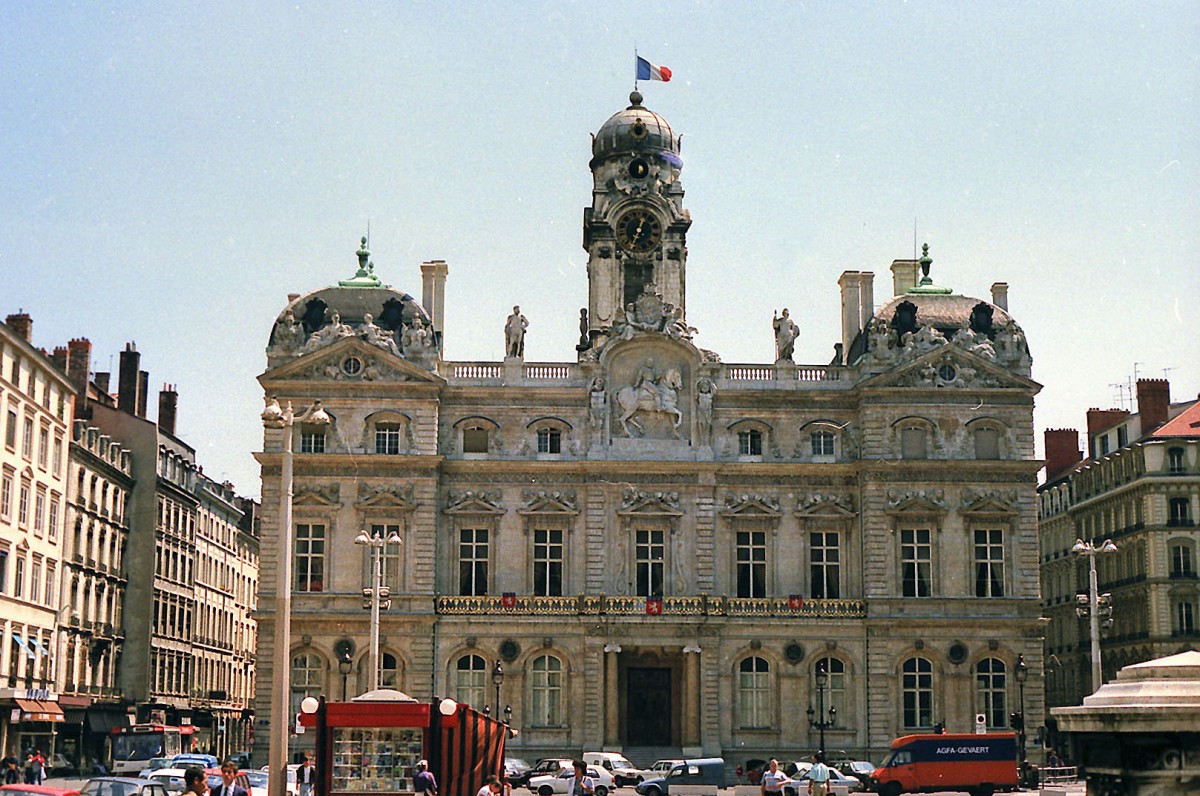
(653, 606)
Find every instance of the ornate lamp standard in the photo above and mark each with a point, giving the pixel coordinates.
(344, 666)
(1022, 672)
(274, 417)
(497, 679)
(1094, 602)
(816, 718)
(378, 592)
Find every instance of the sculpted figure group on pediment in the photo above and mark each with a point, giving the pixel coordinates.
(414, 341)
(1005, 344)
(650, 313)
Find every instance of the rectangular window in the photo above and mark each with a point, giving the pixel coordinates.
(6, 490)
(56, 460)
(750, 442)
(751, 564)
(825, 550)
(1178, 514)
(1184, 618)
(10, 431)
(822, 443)
(650, 553)
(52, 519)
(549, 440)
(19, 577)
(913, 443)
(547, 562)
(387, 439)
(23, 505)
(475, 440)
(473, 562)
(1175, 461)
(989, 563)
(43, 447)
(1181, 561)
(391, 556)
(27, 439)
(1103, 441)
(35, 582)
(987, 443)
(916, 562)
(50, 570)
(1122, 436)
(4, 570)
(310, 557)
(39, 512)
(312, 440)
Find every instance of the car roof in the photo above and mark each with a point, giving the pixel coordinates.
(127, 780)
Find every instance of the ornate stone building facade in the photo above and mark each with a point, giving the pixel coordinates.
(1139, 486)
(661, 549)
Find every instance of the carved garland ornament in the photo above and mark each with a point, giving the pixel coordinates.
(898, 497)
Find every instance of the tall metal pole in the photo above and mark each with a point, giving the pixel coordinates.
(377, 573)
(1094, 620)
(281, 722)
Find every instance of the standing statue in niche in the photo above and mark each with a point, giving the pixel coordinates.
(705, 392)
(376, 336)
(651, 392)
(417, 340)
(597, 403)
(514, 334)
(785, 336)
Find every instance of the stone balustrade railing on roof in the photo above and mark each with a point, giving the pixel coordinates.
(623, 605)
(730, 376)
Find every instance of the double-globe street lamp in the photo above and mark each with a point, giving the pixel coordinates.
(275, 417)
(1094, 600)
(816, 718)
(379, 592)
(1021, 673)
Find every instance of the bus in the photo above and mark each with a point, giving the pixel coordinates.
(133, 746)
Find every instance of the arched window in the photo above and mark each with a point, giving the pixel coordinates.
(470, 675)
(389, 671)
(916, 688)
(546, 692)
(308, 675)
(835, 690)
(991, 691)
(1182, 565)
(754, 693)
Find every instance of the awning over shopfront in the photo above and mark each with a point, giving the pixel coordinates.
(34, 710)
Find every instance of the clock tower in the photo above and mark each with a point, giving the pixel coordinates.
(635, 231)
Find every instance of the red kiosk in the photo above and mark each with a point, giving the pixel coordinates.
(372, 743)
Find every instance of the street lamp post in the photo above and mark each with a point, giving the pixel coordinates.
(816, 718)
(497, 679)
(378, 592)
(275, 417)
(344, 666)
(1095, 602)
(1022, 672)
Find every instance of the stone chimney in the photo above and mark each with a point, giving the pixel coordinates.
(1154, 402)
(21, 324)
(59, 358)
(866, 298)
(1101, 420)
(102, 381)
(1062, 450)
(168, 403)
(851, 285)
(1000, 295)
(433, 291)
(128, 381)
(79, 362)
(904, 275)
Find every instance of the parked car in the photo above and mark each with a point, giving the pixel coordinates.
(514, 769)
(122, 786)
(547, 785)
(799, 785)
(624, 772)
(258, 782)
(660, 768)
(189, 759)
(36, 790)
(544, 766)
(859, 769)
(795, 768)
(154, 764)
(241, 758)
(171, 778)
(293, 786)
(700, 771)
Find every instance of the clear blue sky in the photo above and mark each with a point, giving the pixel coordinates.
(172, 172)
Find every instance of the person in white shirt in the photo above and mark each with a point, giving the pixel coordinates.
(228, 787)
(306, 776)
(818, 776)
(773, 779)
(580, 784)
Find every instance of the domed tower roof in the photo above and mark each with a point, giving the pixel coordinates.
(351, 300)
(635, 129)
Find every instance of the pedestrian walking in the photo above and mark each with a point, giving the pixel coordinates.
(818, 776)
(580, 784)
(306, 775)
(424, 781)
(773, 779)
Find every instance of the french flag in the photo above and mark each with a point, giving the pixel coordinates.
(649, 71)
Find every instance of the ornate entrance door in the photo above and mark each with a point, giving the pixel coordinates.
(648, 707)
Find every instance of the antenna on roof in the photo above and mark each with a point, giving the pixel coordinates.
(1123, 392)
(914, 237)
(1167, 372)
(368, 231)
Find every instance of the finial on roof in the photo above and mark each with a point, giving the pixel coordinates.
(365, 277)
(635, 98)
(363, 254)
(925, 261)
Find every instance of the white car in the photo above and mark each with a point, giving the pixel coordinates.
(660, 768)
(557, 783)
(293, 786)
(624, 772)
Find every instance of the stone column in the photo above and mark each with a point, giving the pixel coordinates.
(612, 735)
(691, 701)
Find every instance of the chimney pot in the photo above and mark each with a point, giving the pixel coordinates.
(1000, 295)
(1154, 403)
(22, 325)
(1062, 450)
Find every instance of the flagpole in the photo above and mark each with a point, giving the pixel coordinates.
(635, 68)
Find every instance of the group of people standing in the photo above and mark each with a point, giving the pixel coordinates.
(195, 782)
(773, 779)
(33, 772)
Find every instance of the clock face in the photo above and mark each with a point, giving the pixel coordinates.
(639, 231)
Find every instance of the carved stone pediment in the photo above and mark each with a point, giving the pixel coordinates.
(351, 359)
(474, 502)
(750, 506)
(988, 501)
(950, 367)
(661, 504)
(917, 501)
(822, 504)
(326, 495)
(383, 496)
(549, 502)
